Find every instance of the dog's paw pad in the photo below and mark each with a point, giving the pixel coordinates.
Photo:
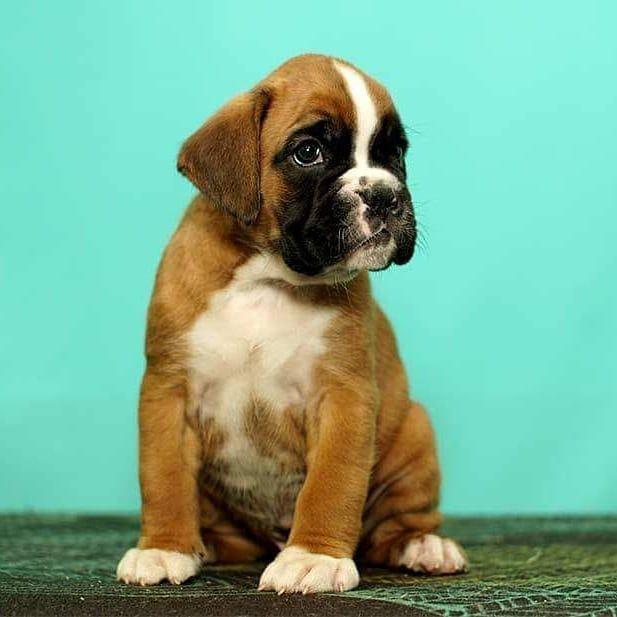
(297, 570)
(151, 566)
(431, 554)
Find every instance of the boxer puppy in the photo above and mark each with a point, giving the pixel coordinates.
(274, 414)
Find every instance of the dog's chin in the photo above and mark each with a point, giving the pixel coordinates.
(375, 253)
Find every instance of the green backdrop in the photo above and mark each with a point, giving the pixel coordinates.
(507, 318)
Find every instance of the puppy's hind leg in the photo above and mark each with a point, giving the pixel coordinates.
(401, 515)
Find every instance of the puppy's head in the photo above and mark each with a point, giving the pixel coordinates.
(311, 162)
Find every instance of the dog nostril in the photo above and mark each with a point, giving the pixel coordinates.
(381, 201)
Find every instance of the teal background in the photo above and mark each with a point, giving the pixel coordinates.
(507, 318)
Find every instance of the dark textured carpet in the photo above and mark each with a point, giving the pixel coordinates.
(63, 565)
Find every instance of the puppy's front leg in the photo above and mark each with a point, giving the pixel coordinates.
(170, 545)
(328, 512)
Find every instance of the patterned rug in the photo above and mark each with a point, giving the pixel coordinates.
(64, 565)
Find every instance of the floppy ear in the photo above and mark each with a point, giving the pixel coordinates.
(222, 158)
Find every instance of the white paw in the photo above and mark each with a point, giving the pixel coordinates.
(151, 566)
(433, 555)
(297, 570)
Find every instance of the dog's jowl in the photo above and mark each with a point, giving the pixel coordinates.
(275, 420)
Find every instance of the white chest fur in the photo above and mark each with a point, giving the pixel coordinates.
(255, 342)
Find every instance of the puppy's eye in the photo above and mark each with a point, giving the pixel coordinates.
(308, 153)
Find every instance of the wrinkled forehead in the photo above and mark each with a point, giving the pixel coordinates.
(307, 90)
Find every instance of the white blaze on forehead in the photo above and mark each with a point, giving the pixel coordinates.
(366, 115)
(363, 173)
(366, 125)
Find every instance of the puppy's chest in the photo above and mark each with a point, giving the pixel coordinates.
(251, 360)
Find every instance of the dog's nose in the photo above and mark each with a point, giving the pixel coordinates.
(381, 200)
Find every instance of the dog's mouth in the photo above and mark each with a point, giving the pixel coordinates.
(372, 252)
(381, 236)
(375, 252)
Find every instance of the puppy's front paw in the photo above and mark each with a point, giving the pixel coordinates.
(432, 554)
(297, 570)
(151, 566)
